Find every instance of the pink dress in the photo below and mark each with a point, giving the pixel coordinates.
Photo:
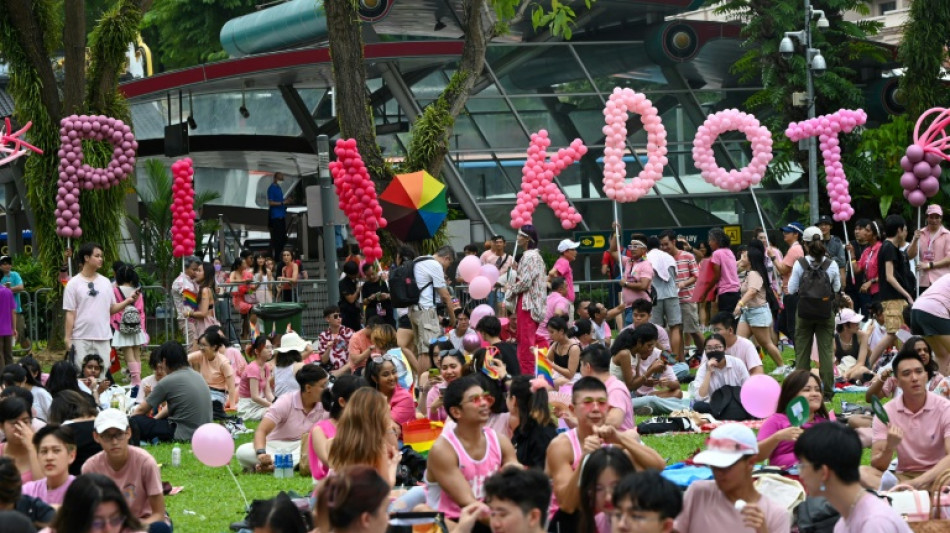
(475, 471)
(317, 469)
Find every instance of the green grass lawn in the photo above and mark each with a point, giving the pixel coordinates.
(210, 501)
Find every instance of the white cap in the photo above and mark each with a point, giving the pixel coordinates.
(846, 316)
(812, 233)
(292, 341)
(726, 445)
(111, 418)
(566, 245)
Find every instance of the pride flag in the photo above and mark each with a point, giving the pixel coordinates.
(542, 365)
(487, 367)
(190, 299)
(256, 329)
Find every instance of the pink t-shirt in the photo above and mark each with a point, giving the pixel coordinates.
(745, 351)
(555, 304)
(784, 454)
(253, 371)
(401, 406)
(641, 269)
(563, 267)
(138, 480)
(618, 395)
(290, 419)
(38, 489)
(872, 515)
(936, 301)
(795, 251)
(705, 504)
(91, 312)
(237, 360)
(924, 432)
(728, 270)
(933, 248)
(433, 395)
(318, 470)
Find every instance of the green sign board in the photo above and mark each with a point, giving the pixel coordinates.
(598, 241)
(797, 411)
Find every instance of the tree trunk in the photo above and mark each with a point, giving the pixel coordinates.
(74, 63)
(349, 76)
(34, 46)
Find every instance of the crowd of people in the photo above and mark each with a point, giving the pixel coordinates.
(519, 449)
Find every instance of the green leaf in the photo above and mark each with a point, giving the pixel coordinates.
(886, 205)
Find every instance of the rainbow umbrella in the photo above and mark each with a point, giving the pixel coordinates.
(414, 206)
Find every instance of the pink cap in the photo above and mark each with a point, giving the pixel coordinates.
(934, 209)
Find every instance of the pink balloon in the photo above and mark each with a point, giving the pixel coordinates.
(479, 286)
(469, 267)
(909, 181)
(915, 153)
(490, 272)
(930, 186)
(917, 198)
(479, 313)
(759, 395)
(471, 341)
(213, 445)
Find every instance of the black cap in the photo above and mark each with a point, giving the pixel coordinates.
(825, 219)
(5, 259)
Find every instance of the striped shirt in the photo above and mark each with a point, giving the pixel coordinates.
(685, 269)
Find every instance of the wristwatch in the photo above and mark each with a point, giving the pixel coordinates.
(261, 451)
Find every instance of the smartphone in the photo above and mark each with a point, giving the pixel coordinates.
(434, 372)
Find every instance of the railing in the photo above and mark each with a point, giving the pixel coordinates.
(603, 291)
(310, 292)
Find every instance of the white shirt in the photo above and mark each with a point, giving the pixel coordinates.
(428, 271)
(733, 374)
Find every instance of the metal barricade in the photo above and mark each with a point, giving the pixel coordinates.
(42, 314)
(605, 291)
(26, 310)
(159, 315)
(310, 292)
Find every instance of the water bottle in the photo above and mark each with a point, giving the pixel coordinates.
(278, 465)
(176, 456)
(288, 466)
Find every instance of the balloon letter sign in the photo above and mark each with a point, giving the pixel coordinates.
(183, 208)
(758, 136)
(922, 163)
(357, 195)
(615, 131)
(75, 175)
(537, 178)
(827, 127)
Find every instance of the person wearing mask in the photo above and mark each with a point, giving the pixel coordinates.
(718, 371)
(741, 348)
(130, 467)
(184, 392)
(528, 292)
(349, 305)
(783, 265)
(930, 246)
(515, 500)
(88, 302)
(829, 459)
(730, 452)
(817, 326)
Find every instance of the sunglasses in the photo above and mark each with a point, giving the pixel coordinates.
(381, 358)
(484, 398)
(114, 521)
(335, 315)
(92, 289)
(443, 338)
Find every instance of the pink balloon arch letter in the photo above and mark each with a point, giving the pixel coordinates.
(620, 103)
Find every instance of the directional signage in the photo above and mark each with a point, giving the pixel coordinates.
(598, 241)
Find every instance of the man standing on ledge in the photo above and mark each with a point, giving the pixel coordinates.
(276, 215)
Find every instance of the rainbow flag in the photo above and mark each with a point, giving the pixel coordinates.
(487, 367)
(189, 299)
(542, 366)
(256, 329)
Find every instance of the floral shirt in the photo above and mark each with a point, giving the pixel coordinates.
(532, 282)
(340, 350)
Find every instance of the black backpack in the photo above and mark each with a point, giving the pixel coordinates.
(816, 294)
(403, 290)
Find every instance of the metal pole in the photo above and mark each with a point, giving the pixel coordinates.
(812, 141)
(329, 230)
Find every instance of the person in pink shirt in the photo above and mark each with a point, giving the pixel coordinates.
(333, 401)
(56, 449)
(556, 304)
(730, 452)
(562, 267)
(595, 362)
(382, 375)
(930, 316)
(777, 435)
(451, 368)
(829, 458)
(636, 276)
(725, 270)
(132, 468)
(95, 499)
(931, 247)
(255, 394)
(918, 431)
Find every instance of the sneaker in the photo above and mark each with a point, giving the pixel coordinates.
(781, 371)
(643, 410)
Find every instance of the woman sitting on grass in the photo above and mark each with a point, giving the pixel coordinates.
(56, 446)
(366, 435)
(353, 501)
(777, 436)
(453, 367)
(381, 373)
(254, 392)
(334, 400)
(94, 504)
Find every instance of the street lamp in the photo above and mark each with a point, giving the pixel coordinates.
(816, 67)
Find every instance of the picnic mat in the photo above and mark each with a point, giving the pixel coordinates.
(709, 426)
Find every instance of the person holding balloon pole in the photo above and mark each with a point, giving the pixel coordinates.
(132, 468)
(529, 292)
(931, 247)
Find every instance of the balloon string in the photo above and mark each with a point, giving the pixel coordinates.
(243, 496)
